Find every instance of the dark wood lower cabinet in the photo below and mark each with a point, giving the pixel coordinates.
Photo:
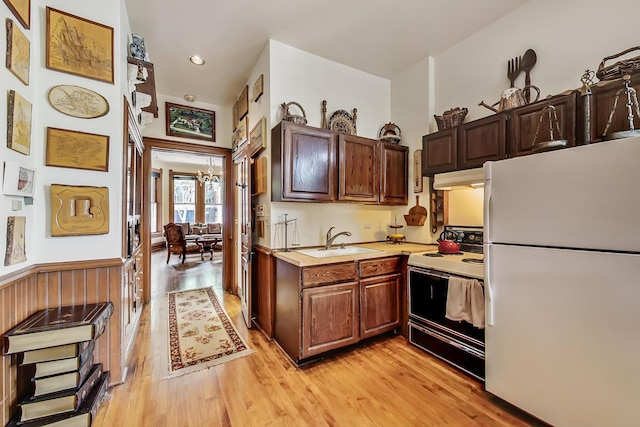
(379, 304)
(329, 318)
(326, 307)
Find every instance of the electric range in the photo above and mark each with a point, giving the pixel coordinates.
(468, 262)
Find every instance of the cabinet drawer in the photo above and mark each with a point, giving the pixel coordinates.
(380, 266)
(325, 274)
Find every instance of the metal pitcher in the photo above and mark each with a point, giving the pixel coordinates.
(511, 98)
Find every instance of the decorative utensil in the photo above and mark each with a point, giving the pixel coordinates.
(513, 69)
(552, 142)
(632, 101)
(528, 61)
(417, 214)
(294, 118)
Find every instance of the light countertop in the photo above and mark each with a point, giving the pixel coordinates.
(383, 249)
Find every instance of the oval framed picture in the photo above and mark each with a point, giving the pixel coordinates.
(78, 101)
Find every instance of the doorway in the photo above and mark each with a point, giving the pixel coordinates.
(153, 220)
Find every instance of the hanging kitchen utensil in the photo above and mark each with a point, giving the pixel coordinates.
(528, 61)
(417, 214)
(632, 101)
(550, 112)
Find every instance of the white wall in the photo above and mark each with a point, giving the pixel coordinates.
(308, 79)
(411, 99)
(466, 207)
(41, 247)
(157, 128)
(568, 36)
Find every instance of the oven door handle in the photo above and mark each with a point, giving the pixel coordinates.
(430, 273)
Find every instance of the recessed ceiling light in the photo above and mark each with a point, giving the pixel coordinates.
(195, 59)
(190, 97)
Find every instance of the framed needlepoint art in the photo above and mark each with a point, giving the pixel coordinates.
(78, 46)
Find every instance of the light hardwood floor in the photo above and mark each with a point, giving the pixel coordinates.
(385, 382)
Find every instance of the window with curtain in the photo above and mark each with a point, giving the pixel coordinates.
(212, 202)
(184, 199)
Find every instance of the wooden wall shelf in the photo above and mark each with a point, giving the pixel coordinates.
(148, 86)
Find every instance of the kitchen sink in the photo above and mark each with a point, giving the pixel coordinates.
(326, 253)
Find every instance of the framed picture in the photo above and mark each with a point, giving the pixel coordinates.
(18, 123)
(21, 9)
(79, 210)
(258, 88)
(78, 46)
(76, 101)
(18, 180)
(258, 137)
(243, 103)
(78, 150)
(234, 115)
(18, 51)
(190, 122)
(240, 134)
(16, 251)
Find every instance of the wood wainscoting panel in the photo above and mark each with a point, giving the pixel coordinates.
(58, 284)
(17, 301)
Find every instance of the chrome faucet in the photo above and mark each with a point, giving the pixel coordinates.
(331, 238)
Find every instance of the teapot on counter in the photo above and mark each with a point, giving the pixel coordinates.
(511, 98)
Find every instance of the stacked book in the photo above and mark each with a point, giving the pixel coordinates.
(54, 349)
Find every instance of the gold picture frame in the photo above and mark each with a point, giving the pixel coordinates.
(18, 52)
(18, 123)
(258, 88)
(79, 210)
(78, 46)
(21, 9)
(240, 134)
(16, 251)
(258, 137)
(243, 103)
(77, 150)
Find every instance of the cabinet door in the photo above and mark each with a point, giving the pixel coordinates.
(394, 173)
(482, 140)
(358, 169)
(305, 167)
(379, 304)
(602, 103)
(329, 318)
(527, 120)
(439, 152)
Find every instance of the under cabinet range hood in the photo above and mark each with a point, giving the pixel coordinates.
(468, 178)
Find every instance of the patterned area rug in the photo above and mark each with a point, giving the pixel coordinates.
(200, 332)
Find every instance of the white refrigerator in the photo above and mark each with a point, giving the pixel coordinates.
(562, 283)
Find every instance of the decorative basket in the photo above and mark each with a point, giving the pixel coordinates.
(620, 68)
(451, 118)
(294, 118)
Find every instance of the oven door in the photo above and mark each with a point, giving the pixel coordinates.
(427, 301)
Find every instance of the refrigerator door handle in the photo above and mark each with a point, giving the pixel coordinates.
(488, 285)
(487, 202)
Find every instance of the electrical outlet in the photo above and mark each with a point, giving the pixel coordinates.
(16, 205)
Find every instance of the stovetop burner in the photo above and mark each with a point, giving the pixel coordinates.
(473, 260)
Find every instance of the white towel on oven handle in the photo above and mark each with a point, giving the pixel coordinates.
(465, 301)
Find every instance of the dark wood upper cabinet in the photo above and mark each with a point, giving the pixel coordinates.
(303, 163)
(394, 176)
(602, 103)
(525, 121)
(318, 165)
(359, 173)
(482, 140)
(439, 152)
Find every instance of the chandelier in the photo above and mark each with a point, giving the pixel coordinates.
(209, 176)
